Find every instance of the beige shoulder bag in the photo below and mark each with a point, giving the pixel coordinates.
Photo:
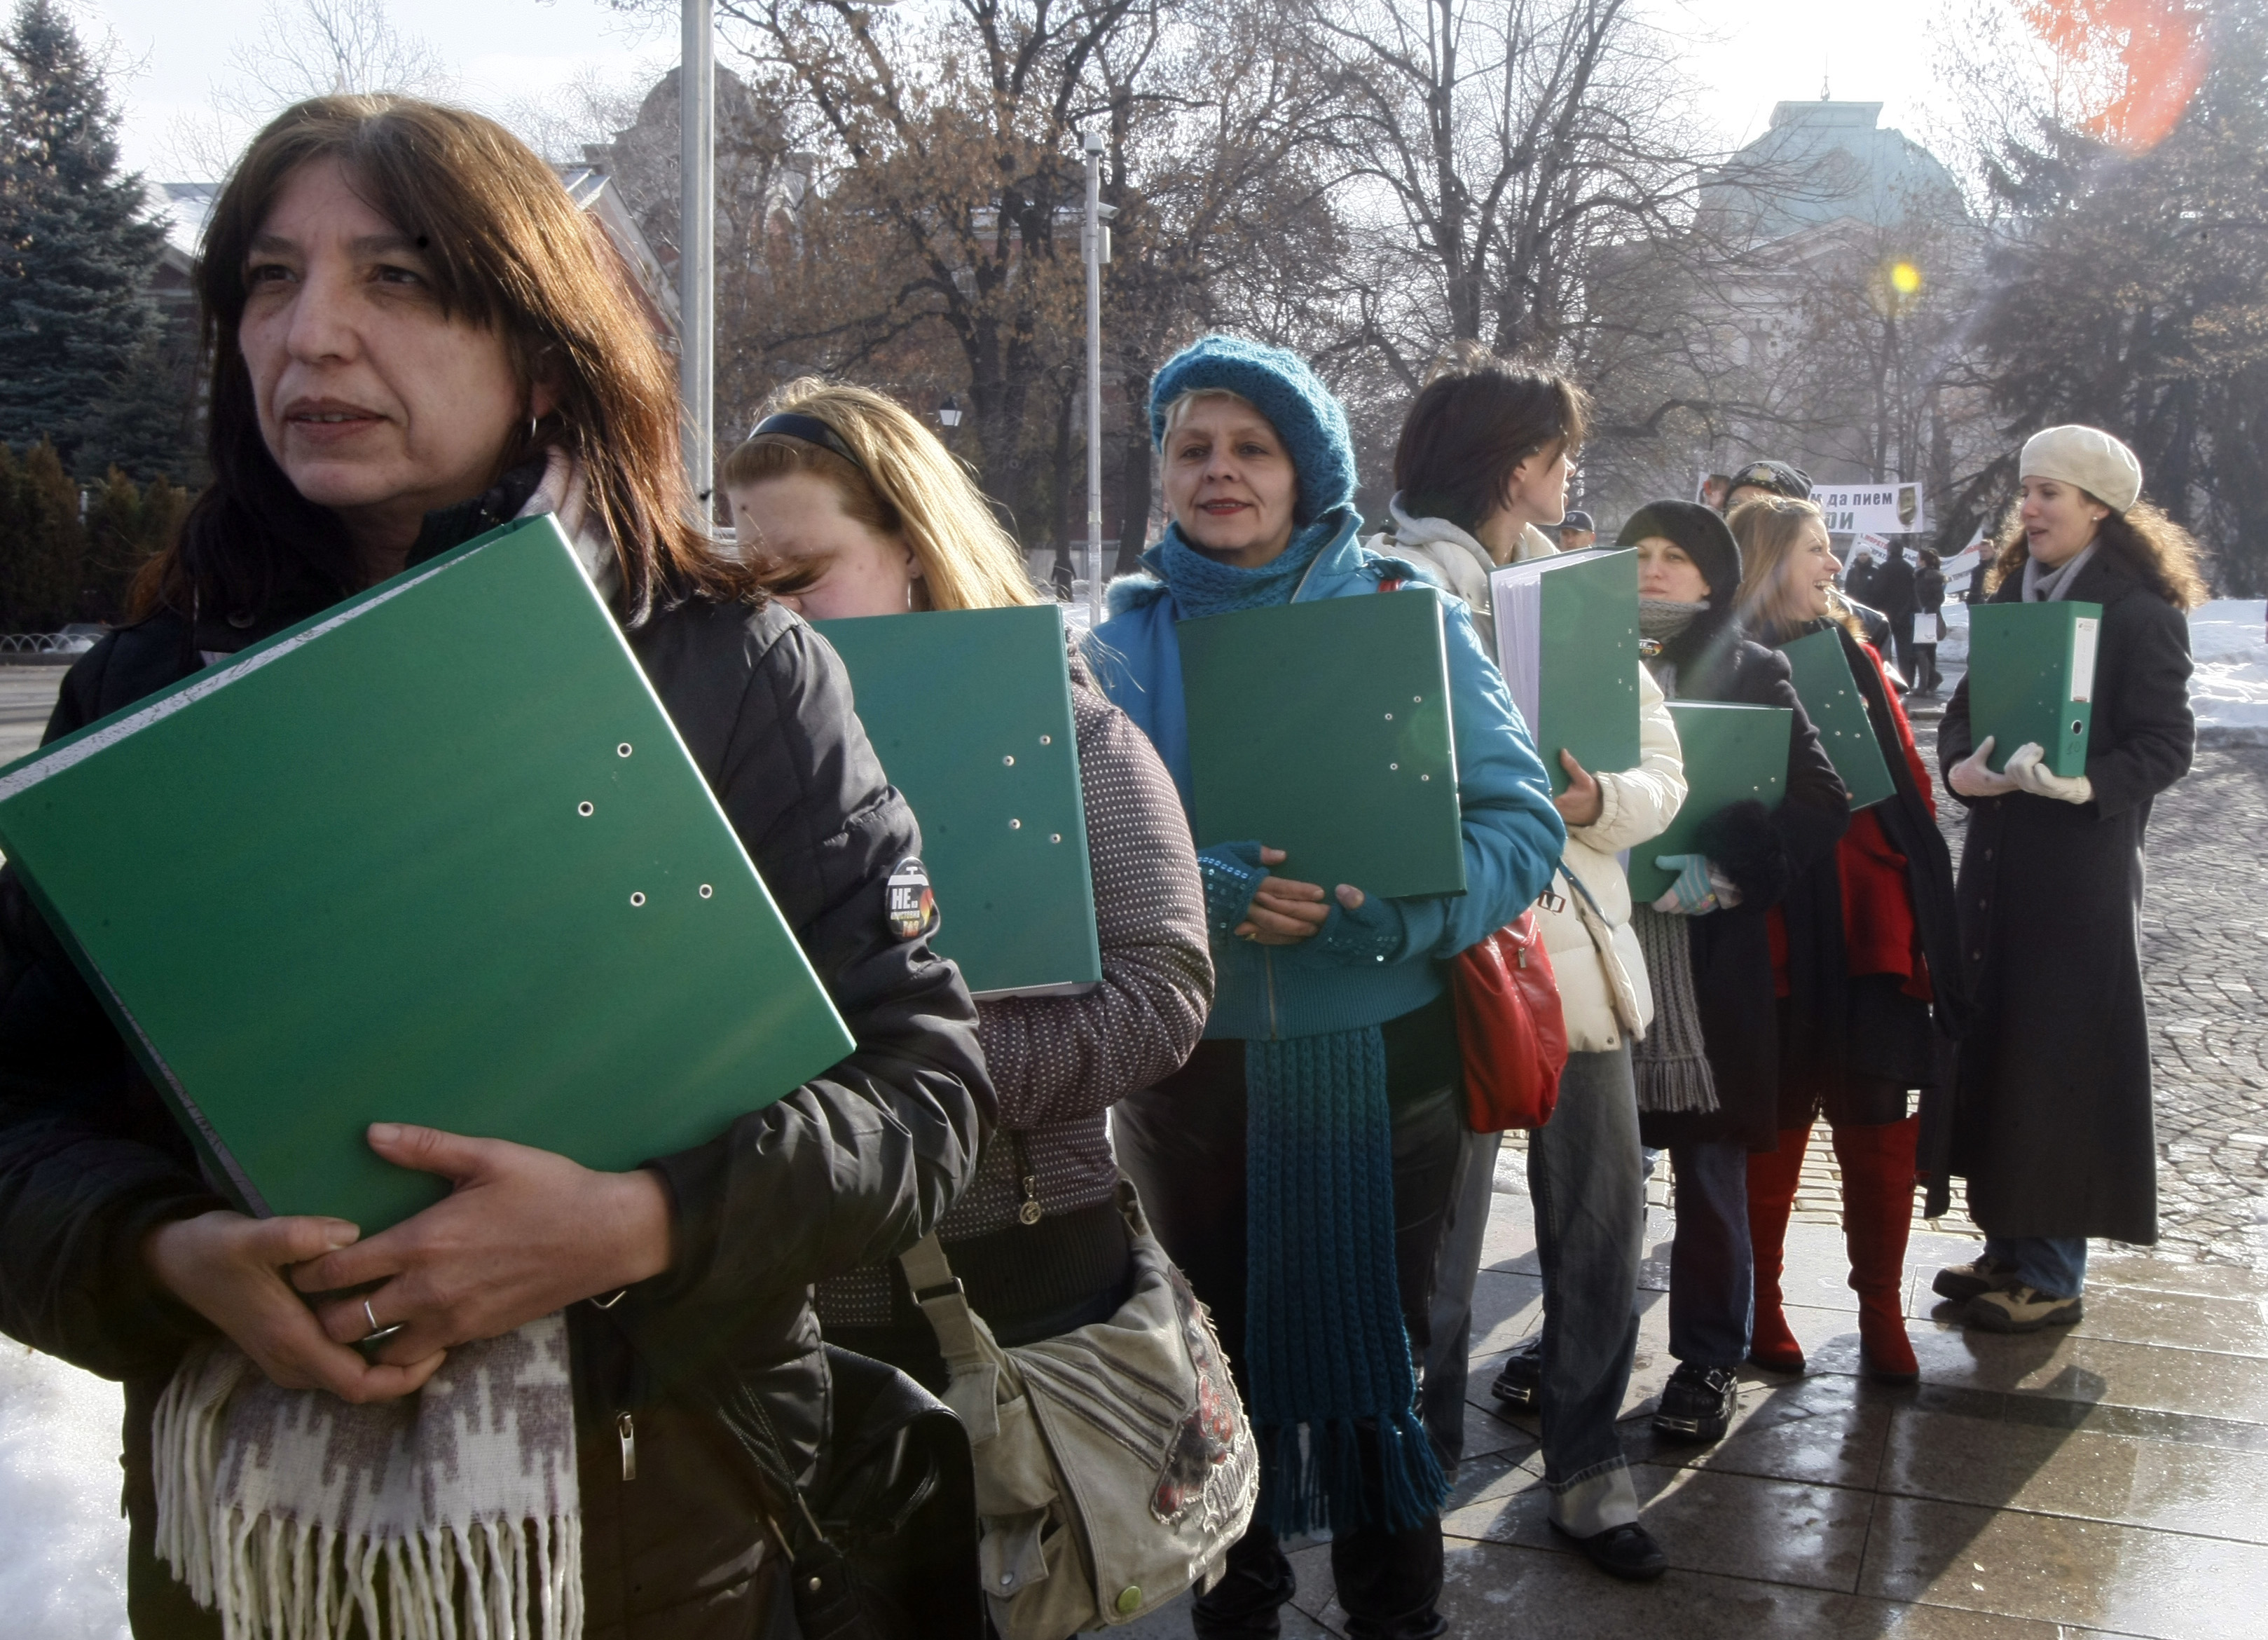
(1115, 1466)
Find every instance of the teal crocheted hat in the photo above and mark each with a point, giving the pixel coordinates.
(1280, 385)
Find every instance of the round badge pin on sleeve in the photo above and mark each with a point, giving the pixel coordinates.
(911, 904)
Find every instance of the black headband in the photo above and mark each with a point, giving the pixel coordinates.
(811, 429)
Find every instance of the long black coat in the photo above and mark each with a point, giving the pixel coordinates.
(854, 1164)
(1731, 950)
(1839, 1037)
(2050, 1119)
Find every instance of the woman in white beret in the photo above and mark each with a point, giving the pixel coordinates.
(2050, 1116)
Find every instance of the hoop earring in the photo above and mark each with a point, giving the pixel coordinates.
(532, 422)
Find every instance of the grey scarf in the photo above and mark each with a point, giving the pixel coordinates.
(1660, 621)
(1670, 1062)
(2046, 586)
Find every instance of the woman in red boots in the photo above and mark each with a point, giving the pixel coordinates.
(1865, 956)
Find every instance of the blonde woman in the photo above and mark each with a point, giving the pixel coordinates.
(2051, 1127)
(1865, 963)
(870, 515)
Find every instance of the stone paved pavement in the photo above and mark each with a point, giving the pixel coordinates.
(2103, 1481)
(2205, 966)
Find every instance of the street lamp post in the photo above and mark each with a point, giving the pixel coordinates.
(696, 246)
(1095, 246)
(949, 414)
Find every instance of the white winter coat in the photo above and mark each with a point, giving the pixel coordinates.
(1604, 985)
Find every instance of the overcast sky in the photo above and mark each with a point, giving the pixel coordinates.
(1749, 53)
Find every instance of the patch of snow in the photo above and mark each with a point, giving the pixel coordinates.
(63, 1541)
(2228, 638)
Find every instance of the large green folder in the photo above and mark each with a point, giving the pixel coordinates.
(970, 711)
(1832, 700)
(1733, 754)
(439, 856)
(1567, 636)
(2031, 677)
(1324, 729)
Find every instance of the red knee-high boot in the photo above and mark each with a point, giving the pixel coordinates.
(1771, 1194)
(1878, 1186)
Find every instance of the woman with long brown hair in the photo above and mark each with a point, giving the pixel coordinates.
(2051, 1120)
(412, 337)
(1865, 964)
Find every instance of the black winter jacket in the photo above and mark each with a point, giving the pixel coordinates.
(1763, 854)
(853, 1167)
(2051, 1121)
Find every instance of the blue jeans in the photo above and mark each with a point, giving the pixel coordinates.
(1448, 1358)
(2055, 1265)
(1584, 1176)
(1713, 1269)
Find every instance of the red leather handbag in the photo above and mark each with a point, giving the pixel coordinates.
(1510, 1029)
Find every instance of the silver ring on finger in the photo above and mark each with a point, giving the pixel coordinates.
(377, 1333)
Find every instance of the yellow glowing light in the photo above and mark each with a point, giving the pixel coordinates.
(1905, 278)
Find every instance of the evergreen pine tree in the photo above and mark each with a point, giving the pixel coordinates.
(76, 247)
(43, 545)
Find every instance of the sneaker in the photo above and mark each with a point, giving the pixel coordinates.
(1628, 1552)
(1520, 1387)
(2019, 1309)
(1698, 1403)
(1961, 1282)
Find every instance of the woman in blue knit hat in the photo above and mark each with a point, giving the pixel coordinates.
(1331, 1018)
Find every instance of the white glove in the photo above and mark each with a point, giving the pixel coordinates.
(1970, 778)
(2028, 764)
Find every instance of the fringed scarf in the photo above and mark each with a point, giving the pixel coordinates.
(454, 1511)
(1324, 1342)
(1670, 1062)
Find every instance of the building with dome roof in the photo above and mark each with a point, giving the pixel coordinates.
(1840, 262)
(1821, 163)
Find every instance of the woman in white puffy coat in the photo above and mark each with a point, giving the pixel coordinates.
(1483, 462)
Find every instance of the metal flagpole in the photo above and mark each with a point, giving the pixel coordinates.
(697, 248)
(1098, 251)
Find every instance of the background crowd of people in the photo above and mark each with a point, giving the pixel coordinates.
(415, 338)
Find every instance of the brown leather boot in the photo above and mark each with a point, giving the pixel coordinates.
(1878, 1186)
(1771, 1194)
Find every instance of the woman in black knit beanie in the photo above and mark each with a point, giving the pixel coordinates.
(1708, 1071)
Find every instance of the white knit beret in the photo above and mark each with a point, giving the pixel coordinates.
(2087, 457)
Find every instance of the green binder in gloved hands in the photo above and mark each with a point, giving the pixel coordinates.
(1832, 700)
(2031, 678)
(969, 710)
(436, 855)
(1733, 753)
(1324, 729)
(1567, 636)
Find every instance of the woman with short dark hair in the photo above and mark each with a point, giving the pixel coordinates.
(1484, 495)
(1481, 470)
(415, 337)
(2051, 1121)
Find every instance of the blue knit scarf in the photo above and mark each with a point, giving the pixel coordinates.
(1324, 1344)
